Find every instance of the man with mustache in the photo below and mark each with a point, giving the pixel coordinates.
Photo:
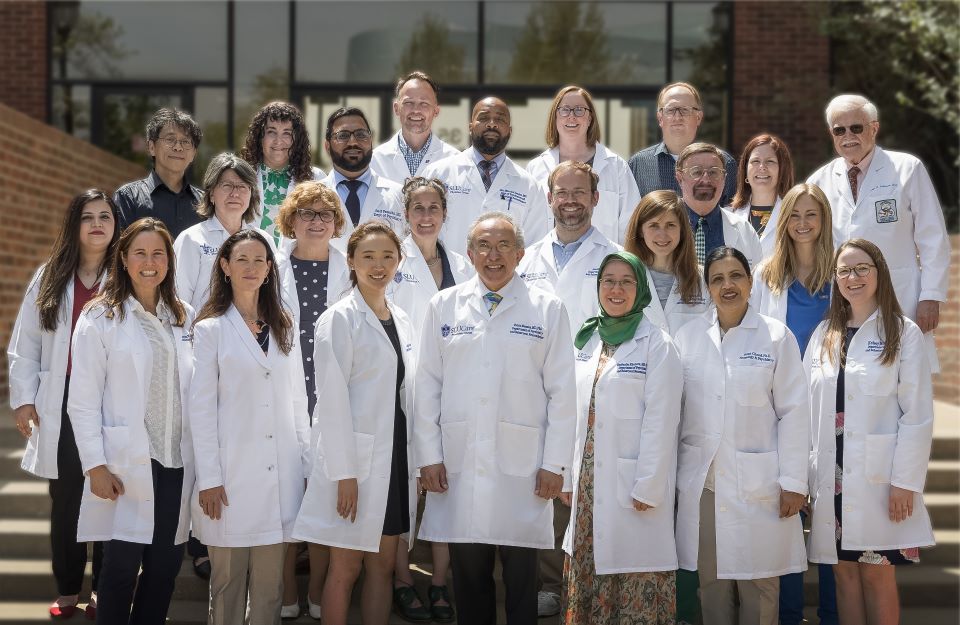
(483, 178)
(365, 195)
(701, 174)
(415, 146)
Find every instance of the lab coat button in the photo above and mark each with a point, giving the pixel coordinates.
(723, 508)
(483, 402)
(848, 508)
(849, 434)
(267, 374)
(270, 468)
(600, 426)
(849, 396)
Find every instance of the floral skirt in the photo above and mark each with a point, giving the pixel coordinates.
(616, 599)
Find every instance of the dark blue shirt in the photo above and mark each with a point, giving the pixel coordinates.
(712, 228)
(654, 168)
(806, 311)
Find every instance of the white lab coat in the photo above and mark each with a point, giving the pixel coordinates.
(765, 301)
(389, 163)
(576, 285)
(896, 205)
(413, 285)
(769, 236)
(196, 251)
(675, 313)
(495, 400)
(317, 175)
(635, 450)
(745, 413)
(356, 367)
(619, 194)
(338, 279)
(251, 433)
(888, 432)
(384, 201)
(38, 373)
(112, 364)
(738, 233)
(513, 191)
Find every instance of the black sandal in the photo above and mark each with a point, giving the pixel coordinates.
(403, 599)
(440, 613)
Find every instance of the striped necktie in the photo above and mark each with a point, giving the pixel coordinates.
(492, 300)
(852, 174)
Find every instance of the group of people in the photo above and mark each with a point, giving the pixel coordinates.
(629, 380)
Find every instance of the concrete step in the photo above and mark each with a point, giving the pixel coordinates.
(945, 448)
(10, 458)
(919, 585)
(25, 499)
(943, 476)
(944, 509)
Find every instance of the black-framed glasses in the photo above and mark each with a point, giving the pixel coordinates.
(862, 270)
(171, 142)
(578, 111)
(839, 131)
(682, 111)
(360, 134)
(308, 214)
(229, 187)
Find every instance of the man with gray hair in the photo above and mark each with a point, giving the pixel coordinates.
(494, 423)
(887, 197)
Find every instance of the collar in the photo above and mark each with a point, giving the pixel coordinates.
(556, 241)
(662, 149)
(751, 319)
(499, 159)
(366, 178)
(163, 313)
(713, 217)
(406, 149)
(507, 290)
(154, 180)
(283, 171)
(864, 163)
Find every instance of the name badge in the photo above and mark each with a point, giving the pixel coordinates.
(875, 347)
(886, 211)
(593, 272)
(528, 330)
(756, 357)
(632, 367)
(583, 357)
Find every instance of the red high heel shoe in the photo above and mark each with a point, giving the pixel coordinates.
(58, 611)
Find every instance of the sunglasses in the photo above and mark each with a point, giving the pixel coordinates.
(839, 131)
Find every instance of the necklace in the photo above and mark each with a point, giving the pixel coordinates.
(266, 335)
(431, 262)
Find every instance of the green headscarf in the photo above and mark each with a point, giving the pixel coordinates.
(616, 330)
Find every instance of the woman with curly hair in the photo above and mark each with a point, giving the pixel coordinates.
(278, 147)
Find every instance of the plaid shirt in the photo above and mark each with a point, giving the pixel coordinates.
(413, 158)
(654, 169)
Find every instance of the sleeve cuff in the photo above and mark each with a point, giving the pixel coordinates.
(792, 485)
(552, 468)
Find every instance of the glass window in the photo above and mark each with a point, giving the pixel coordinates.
(70, 106)
(210, 111)
(139, 40)
(701, 41)
(374, 42)
(575, 42)
(120, 119)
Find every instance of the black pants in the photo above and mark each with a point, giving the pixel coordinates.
(474, 589)
(68, 556)
(160, 560)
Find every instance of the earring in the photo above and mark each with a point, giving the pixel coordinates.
(266, 280)
(226, 278)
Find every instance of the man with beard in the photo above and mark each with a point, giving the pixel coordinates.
(701, 174)
(415, 146)
(482, 179)
(365, 196)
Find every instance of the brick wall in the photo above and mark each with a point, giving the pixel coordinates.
(41, 170)
(946, 386)
(781, 78)
(23, 57)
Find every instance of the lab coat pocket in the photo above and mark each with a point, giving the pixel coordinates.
(518, 449)
(688, 465)
(453, 438)
(752, 385)
(877, 380)
(116, 439)
(364, 444)
(879, 455)
(626, 478)
(757, 475)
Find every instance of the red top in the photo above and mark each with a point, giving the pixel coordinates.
(81, 295)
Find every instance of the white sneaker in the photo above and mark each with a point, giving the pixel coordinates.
(548, 603)
(313, 609)
(291, 611)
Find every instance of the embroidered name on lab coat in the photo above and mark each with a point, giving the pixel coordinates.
(383, 213)
(209, 250)
(583, 357)
(632, 367)
(875, 347)
(446, 330)
(522, 329)
(512, 196)
(408, 347)
(456, 188)
(187, 337)
(593, 272)
(402, 276)
(757, 357)
(531, 276)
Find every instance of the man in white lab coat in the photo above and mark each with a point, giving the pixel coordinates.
(482, 178)
(494, 424)
(415, 146)
(887, 197)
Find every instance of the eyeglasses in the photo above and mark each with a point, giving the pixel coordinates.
(170, 142)
(485, 248)
(696, 172)
(862, 271)
(361, 134)
(229, 188)
(839, 131)
(578, 111)
(682, 111)
(563, 195)
(626, 284)
(308, 215)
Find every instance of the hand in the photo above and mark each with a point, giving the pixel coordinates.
(212, 501)
(104, 484)
(347, 495)
(566, 498)
(23, 416)
(548, 484)
(901, 504)
(790, 503)
(434, 478)
(639, 506)
(928, 314)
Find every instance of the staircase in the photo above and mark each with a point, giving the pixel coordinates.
(929, 592)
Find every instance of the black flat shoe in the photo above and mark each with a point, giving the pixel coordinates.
(202, 570)
(440, 613)
(403, 599)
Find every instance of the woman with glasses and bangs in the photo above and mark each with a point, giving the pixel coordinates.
(872, 401)
(313, 276)
(573, 134)
(764, 175)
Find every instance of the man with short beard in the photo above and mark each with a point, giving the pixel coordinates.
(483, 178)
(365, 196)
(701, 175)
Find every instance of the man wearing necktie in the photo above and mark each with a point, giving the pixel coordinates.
(887, 197)
(494, 423)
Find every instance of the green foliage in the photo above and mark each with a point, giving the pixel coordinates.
(432, 50)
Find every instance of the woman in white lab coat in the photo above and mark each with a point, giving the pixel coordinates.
(620, 541)
(764, 175)
(313, 276)
(573, 134)
(659, 234)
(251, 431)
(872, 431)
(361, 495)
(40, 367)
(229, 204)
(128, 395)
(742, 460)
(426, 268)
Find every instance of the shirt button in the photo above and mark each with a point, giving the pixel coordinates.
(270, 468)
(269, 435)
(849, 434)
